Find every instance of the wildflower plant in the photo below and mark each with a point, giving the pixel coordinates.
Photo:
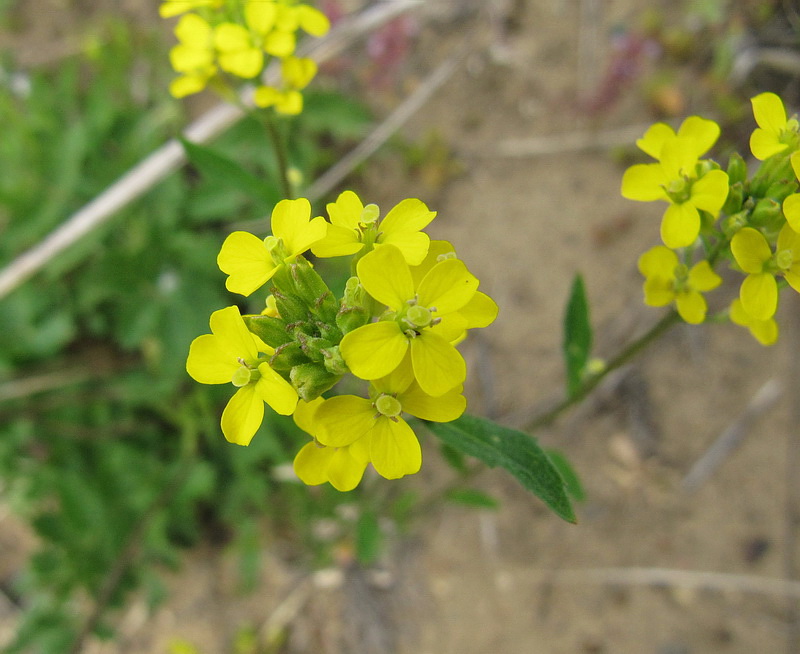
(716, 218)
(393, 333)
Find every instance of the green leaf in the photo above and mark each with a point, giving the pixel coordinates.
(224, 171)
(577, 335)
(517, 452)
(568, 474)
(474, 498)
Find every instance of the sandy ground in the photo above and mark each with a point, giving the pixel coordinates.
(472, 581)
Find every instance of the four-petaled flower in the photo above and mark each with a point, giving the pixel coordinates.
(423, 319)
(193, 57)
(231, 354)
(355, 227)
(667, 280)
(759, 290)
(764, 331)
(373, 429)
(250, 261)
(774, 132)
(679, 178)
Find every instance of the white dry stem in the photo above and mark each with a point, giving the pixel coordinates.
(666, 577)
(171, 155)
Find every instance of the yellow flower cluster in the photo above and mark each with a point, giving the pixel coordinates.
(715, 215)
(218, 40)
(409, 303)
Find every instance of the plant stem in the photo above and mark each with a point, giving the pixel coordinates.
(619, 360)
(280, 155)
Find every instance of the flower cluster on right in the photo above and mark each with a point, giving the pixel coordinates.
(717, 216)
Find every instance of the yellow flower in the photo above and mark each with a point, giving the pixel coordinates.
(667, 281)
(231, 354)
(791, 204)
(193, 56)
(422, 319)
(171, 8)
(764, 331)
(759, 291)
(238, 53)
(375, 428)
(355, 227)
(342, 467)
(678, 178)
(250, 262)
(774, 132)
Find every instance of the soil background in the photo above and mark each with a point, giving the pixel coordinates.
(478, 581)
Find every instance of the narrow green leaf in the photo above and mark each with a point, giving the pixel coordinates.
(474, 498)
(568, 474)
(577, 335)
(220, 169)
(516, 451)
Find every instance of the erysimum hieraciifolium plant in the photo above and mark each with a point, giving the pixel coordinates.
(715, 217)
(408, 304)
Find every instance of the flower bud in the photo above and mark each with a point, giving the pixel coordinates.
(779, 190)
(313, 290)
(311, 346)
(766, 211)
(737, 169)
(270, 330)
(734, 223)
(292, 309)
(350, 318)
(334, 361)
(733, 202)
(311, 380)
(287, 356)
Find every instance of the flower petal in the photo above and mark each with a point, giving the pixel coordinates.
(750, 249)
(654, 139)
(658, 291)
(703, 278)
(208, 363)
(345, 470)
(228, 326)
(243, 415)
(394, 449)
(769, 112)
(644, 182)
(246, 260)
(346, 211)
(658, 261)
(343, 419)
(791, 209)
(448, 286)
(759, 295)
(680, 225)
(303, 415)
(480, 311)
(276, 391)
(339, 241)
(691, 307)
(374, 350)
(385, 276)
(710, 191)
(698, 135)
(438, 366)
(311, 463)
(290, 222)
(444, 408)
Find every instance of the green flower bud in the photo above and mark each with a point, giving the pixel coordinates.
(313, 290)
(334, 361)
(350, 318)
(766, 211)
(328, 331)
(311, 380)
(779, 190)
(270, 330)
(311, 346)
(287, 356)
(737, 169)
(292, 309)
(733, 203)
(734, 223)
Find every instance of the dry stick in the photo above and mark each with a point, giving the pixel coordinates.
(701, 580)
(171, 156)
(410, 106)
(26, 386)
(734, 434)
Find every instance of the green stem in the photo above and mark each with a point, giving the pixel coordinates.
(618, 361)
(280, 155)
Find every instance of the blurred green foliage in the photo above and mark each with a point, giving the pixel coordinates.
(106, 447)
